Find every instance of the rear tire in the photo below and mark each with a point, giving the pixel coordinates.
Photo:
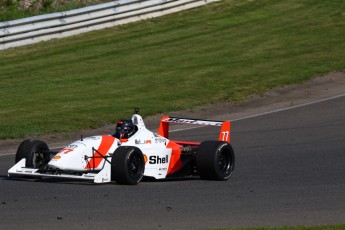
(127, 165)
(215, 160)
(35, 152)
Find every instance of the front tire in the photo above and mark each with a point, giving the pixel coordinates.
(35, 152)
(215, 160)
(127, 165)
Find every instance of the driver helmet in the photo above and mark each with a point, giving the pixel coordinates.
(124, 129)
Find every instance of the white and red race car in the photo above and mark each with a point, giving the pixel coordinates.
(127, 160)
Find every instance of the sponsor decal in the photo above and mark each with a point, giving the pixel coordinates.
(159, 140)
(194, 122)
(221, 147)
(65, 150)
(158, 160)
(72, 146)
(94, 138)
(142, 142)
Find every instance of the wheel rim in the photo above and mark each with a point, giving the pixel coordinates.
(135, 166)
(38, 158)
(224, 162)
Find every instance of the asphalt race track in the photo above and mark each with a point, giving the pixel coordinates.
(290, 170)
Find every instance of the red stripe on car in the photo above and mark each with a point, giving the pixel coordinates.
(175, 161)
(106, 143)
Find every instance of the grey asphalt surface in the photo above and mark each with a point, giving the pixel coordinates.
(290, 170)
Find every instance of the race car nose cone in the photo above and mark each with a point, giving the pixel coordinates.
(55, 162)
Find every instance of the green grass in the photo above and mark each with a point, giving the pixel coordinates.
(221, 52)
(11, 10)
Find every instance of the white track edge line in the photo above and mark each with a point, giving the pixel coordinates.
(288, 108)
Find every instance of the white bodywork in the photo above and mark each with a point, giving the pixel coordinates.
(79, 157)
(90, 158)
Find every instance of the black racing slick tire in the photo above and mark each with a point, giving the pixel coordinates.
(127, 165)
(215, 160)
(35, 152)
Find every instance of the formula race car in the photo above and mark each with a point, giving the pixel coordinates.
(129, 154)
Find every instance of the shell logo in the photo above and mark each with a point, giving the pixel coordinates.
(145, 158)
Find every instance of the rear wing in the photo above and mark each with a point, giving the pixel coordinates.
(224, 134)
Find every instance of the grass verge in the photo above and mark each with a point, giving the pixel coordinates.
(11, 10)
(221, 52)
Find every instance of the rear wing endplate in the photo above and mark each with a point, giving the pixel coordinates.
(224, 134)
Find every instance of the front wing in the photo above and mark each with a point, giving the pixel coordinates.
(102, 176)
